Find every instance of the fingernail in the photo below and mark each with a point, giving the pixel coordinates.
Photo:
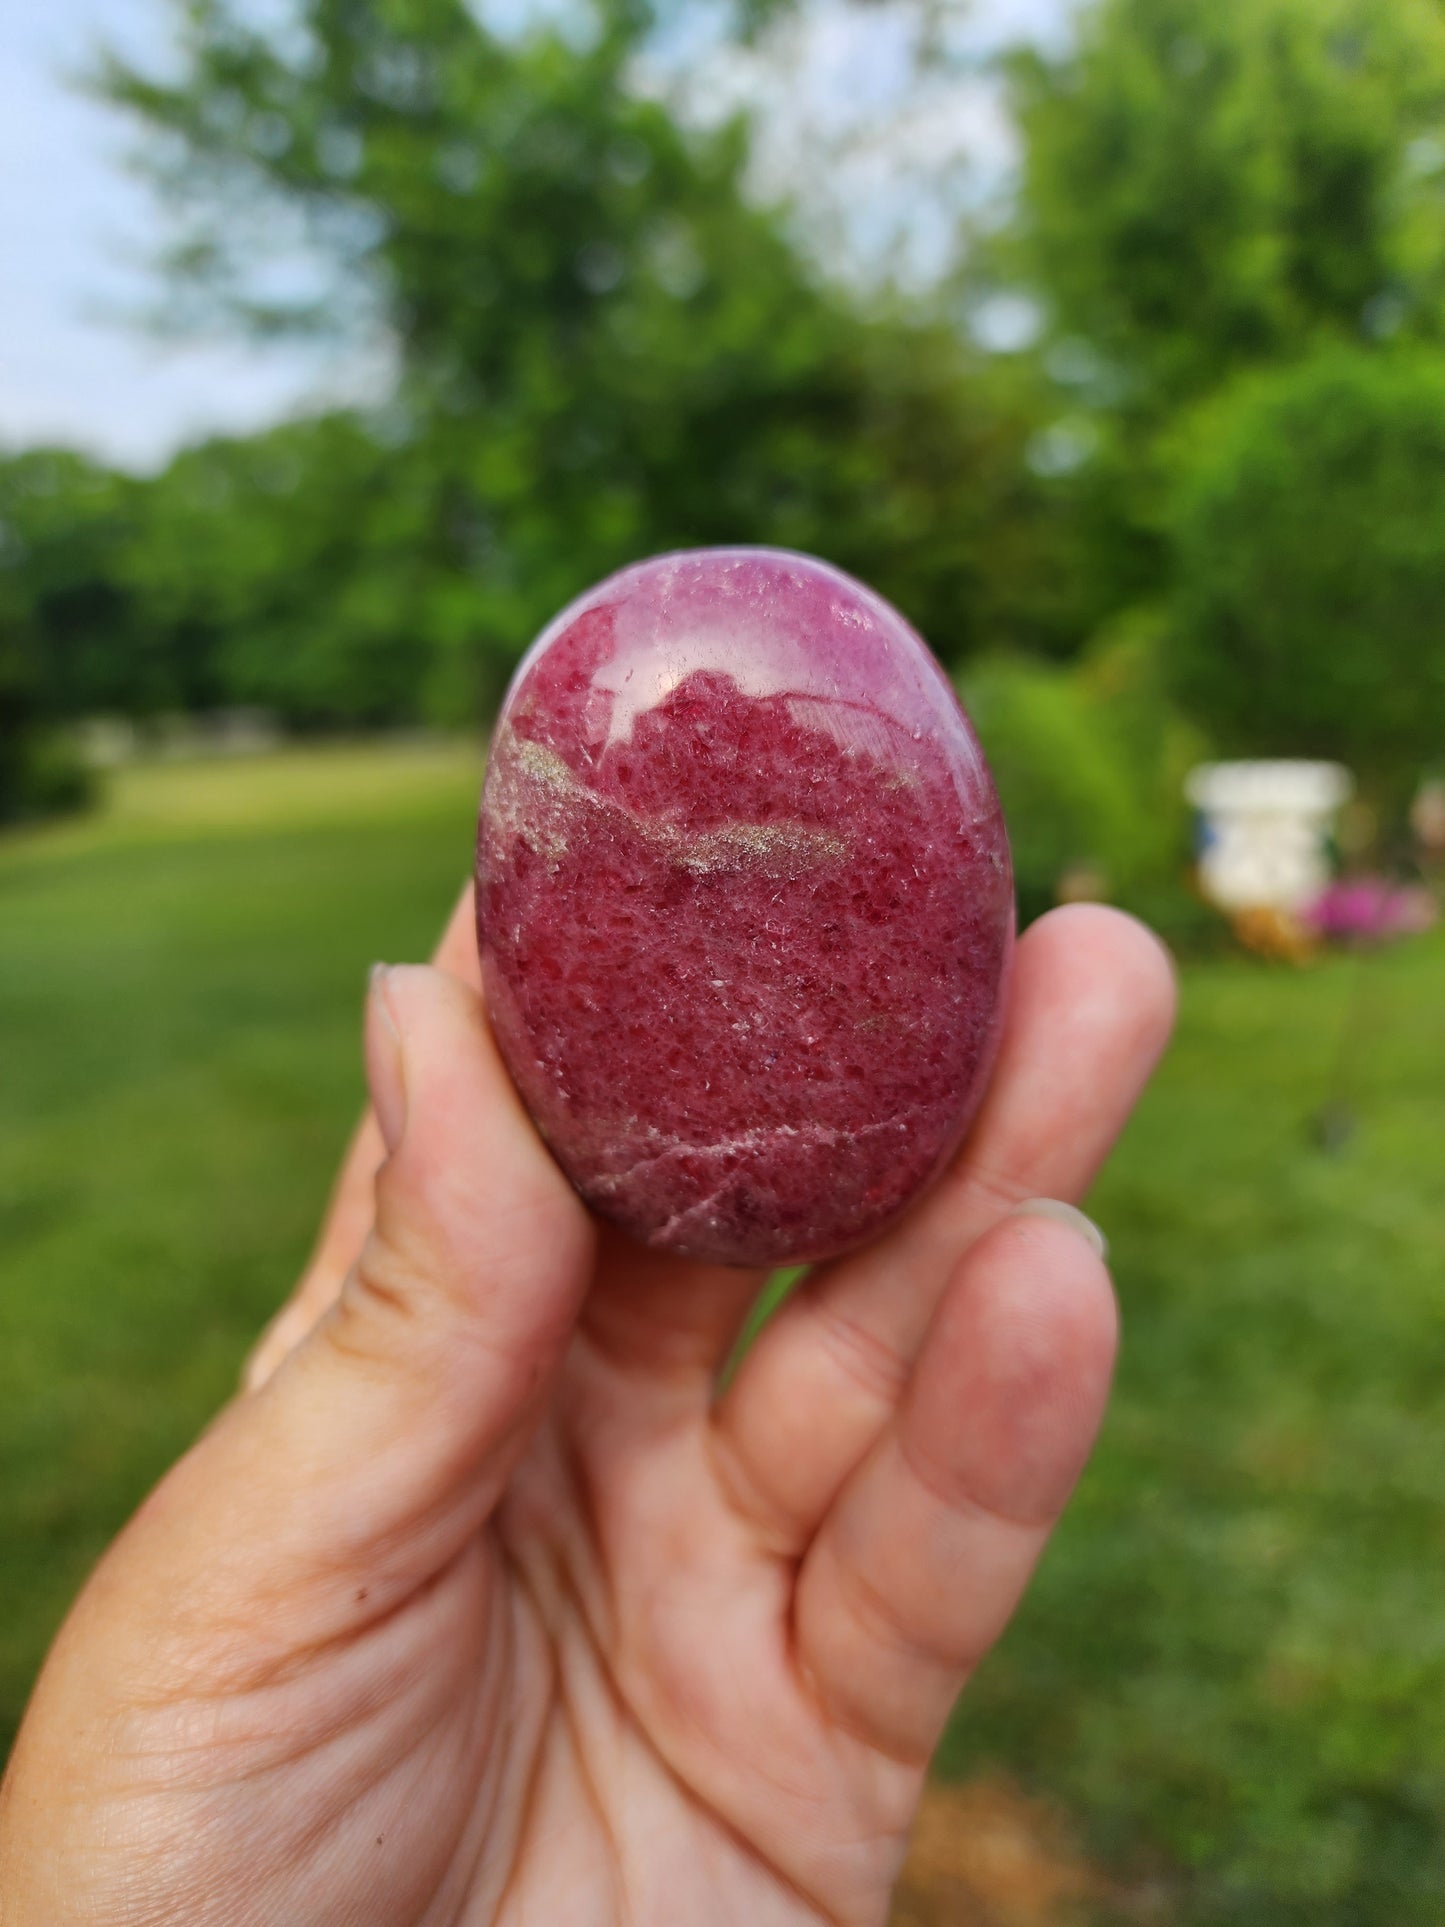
(1066, 1214)
(384, 1067)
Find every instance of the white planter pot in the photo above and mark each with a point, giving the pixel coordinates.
(1265, 831)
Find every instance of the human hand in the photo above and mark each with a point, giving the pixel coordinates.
(483, 1603)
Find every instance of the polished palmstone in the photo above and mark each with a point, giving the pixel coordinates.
(745, 905)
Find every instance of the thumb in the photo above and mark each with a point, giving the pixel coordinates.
(383, 1442)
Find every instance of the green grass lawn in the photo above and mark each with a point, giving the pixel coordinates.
(1232, 1671)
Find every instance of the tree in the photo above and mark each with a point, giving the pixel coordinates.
(1309, 528)
(293, 569)
(1214, 184)
(17, 721)
(603, 348)
(60, 619)
(65, 523)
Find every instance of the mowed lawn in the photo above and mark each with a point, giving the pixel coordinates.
(1230, 1678)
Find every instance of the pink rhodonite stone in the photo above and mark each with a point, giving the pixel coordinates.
(744, 904)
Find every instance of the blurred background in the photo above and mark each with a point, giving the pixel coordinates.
(344, 340)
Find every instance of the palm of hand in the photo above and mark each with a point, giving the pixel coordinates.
(612, 1732)
(484, 1606)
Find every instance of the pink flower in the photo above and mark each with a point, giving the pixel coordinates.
(1371, 909)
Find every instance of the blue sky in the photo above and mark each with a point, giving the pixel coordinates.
(75, 230)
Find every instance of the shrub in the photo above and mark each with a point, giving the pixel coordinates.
(41, 774)
(1089, 763)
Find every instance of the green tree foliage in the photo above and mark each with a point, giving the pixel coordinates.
(294, 569)
(335, 573)
(1231, 211)
(62, 617)
(17, 726)
(1309, 529)
(604, 348)
(65, 525)
(1212, 184)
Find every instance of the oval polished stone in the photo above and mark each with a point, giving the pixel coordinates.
(744, 905)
